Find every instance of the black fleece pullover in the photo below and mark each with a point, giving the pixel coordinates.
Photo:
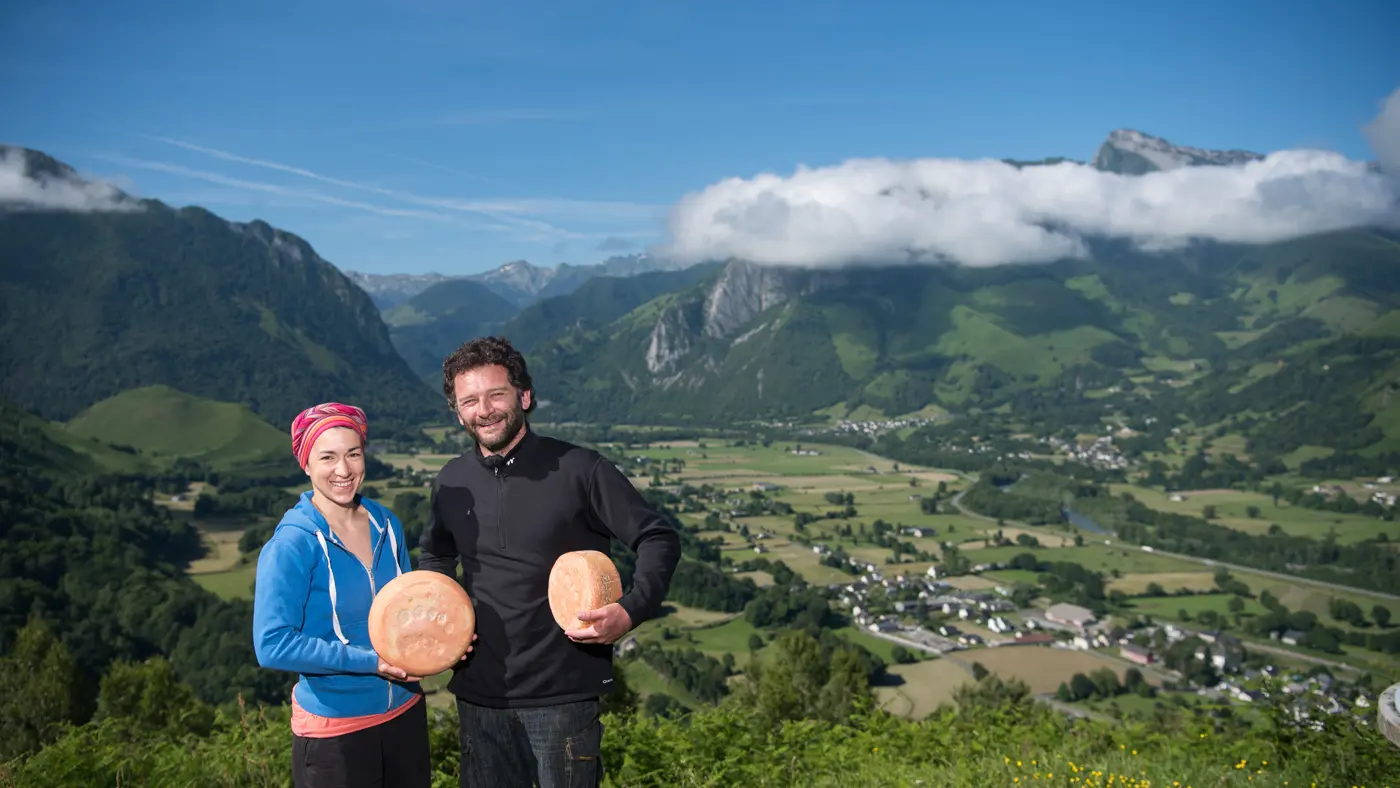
(507, 523)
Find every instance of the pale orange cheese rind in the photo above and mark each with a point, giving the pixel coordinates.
(422, 621)
(581, 580)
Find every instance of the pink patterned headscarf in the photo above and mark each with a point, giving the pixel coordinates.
(310, 423)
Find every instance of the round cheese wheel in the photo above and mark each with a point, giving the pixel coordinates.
(581, 580)
(422, 621)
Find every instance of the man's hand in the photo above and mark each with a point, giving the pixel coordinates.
(607, 624)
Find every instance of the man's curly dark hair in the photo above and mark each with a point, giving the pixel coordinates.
(484, 351)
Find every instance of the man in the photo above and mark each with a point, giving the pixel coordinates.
(528, 696)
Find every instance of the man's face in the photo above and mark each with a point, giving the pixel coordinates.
(489, 407)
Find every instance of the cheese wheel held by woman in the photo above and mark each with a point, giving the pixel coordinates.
(422, 622)
(581, 580)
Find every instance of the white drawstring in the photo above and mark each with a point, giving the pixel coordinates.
(330, 573)
(393, 543)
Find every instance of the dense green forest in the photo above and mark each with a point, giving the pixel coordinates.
(98, 569)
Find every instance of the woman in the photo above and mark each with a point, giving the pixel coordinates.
(356, 720)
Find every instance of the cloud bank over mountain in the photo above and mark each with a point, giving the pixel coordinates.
(1383, 134)
(987, 212)
(22, 186)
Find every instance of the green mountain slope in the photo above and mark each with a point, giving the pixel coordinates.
(34, 443)
(97, 302)
(1198, 330)
(429, 326)
(164, 423)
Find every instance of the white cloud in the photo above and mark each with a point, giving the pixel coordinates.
(1384, 134)
(55, 192)
(985, 212)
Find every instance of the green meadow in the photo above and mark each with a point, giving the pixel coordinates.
(164, 423)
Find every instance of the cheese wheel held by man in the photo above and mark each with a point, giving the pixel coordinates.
(422, 622)
(581, 580)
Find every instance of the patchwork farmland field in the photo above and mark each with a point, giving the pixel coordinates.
(417, 462)
(1232, 510)
(221, 545)
(235, 583)
(1040, 667)
(925, 686)
(1136, 584)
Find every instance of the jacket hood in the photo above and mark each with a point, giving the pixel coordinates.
(306, 516)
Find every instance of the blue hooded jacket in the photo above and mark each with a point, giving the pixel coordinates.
(311, 606)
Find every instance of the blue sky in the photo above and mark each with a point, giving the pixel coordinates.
(417, 135)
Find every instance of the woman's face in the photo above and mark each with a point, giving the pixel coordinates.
(337, 465)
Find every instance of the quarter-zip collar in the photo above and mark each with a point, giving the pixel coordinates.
(518, 454)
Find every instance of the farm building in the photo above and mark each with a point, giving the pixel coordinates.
(1136, 654)
(1074, 615)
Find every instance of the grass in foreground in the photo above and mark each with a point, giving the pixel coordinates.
(981, 743)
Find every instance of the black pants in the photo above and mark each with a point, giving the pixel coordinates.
(390, 755)
(549, 746)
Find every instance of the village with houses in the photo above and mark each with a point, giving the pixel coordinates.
(924, 583)
(1232, 675)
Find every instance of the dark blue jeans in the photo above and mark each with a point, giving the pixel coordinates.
(546, 746)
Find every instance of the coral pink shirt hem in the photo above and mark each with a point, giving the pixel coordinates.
(313, 726)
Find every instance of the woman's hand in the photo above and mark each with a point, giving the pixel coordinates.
(394, 673)
(387, 671)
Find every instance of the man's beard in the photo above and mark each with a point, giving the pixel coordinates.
(514, 421)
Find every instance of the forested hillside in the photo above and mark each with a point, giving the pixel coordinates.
(90, 558)
(431, 324)
(100, 301)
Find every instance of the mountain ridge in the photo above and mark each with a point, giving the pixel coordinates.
(787, 342)
(518, 281)
(100, 301)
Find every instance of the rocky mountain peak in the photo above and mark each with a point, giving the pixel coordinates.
(1132, 152)
(744, 290)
